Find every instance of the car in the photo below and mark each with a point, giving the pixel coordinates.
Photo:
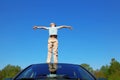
(54, 71)
(101, 79)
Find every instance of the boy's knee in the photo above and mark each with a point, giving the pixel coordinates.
(50, 51)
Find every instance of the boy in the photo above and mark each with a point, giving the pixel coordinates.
(52, 41)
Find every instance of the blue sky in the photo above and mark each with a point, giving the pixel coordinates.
(94, 40)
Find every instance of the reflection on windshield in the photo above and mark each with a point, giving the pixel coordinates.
(52, 68)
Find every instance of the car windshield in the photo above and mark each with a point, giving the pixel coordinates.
(53, 72)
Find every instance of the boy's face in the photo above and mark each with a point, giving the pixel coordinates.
(52, 24)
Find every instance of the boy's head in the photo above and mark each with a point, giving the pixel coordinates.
(52, 25)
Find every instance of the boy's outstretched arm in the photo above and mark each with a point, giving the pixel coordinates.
(64, 26)
(40, 27)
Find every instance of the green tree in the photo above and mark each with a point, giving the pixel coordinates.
(98, 74)
(114, 70)
(9, 71)
(102, 73)
(104, 70)
(87, 66)
(0, 75)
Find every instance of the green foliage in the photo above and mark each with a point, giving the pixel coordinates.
(114, 67)
(0, 75)
(99, 74)
(104, 70)
(87, 66)
(114, 70)
(9, 71)
(111, 72)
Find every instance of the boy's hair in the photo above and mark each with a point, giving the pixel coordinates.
(52, 23)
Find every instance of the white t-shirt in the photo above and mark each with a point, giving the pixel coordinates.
(53, 30)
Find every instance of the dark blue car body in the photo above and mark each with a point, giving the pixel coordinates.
(59, 71)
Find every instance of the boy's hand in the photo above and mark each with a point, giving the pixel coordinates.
(35, 27)
(70, 27)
